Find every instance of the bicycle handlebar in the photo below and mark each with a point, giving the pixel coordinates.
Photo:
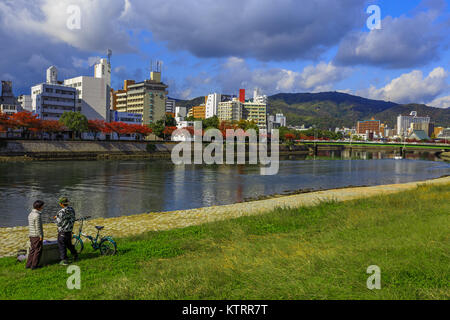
(83, 218)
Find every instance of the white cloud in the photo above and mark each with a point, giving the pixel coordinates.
(235, 73)
(411, 87)
(403, 42)
(442, 102)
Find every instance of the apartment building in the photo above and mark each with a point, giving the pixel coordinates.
(147, 98)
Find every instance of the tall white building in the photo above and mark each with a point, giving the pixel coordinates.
(170, 105)
(404, 122)
(211, 105)
(258, 97)
(50, 100)
(94, 93)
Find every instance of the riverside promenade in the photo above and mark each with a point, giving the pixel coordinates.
(14, 239)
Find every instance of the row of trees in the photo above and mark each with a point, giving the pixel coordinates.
(74, 123)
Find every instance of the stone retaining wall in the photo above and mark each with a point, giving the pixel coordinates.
(13, 239)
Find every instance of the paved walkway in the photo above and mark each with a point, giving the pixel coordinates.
(13, 239)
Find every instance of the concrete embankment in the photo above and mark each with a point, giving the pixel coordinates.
(23, 150)
(11, 150)
(13, 239)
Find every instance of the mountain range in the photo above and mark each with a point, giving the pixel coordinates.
(328, 110)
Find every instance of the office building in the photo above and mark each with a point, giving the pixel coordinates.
(94, 93)
(170, 106)
(51, 99)
(230, 110)
(369, 126)
(147, 98)
(212, 103)
(26, 102)
(404, 122)
(198, 112)
(256, 112)
(119, 97)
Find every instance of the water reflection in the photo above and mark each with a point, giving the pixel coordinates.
(115, 188)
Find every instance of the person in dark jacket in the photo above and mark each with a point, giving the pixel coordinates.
(65, 219)
(36, 233)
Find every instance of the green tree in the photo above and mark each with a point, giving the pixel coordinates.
(170, 121)
(75, 122)
(212, 122)
(158, 128)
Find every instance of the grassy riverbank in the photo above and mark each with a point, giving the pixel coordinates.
(319, 252)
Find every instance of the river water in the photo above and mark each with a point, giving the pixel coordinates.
(116, 188)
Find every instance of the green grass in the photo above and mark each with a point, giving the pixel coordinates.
(320, 252)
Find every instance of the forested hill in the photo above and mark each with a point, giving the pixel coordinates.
(335, 109)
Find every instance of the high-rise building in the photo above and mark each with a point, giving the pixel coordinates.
(256, 112)
(404, 122)
(212, 102)
(94, 93)
(230, 110)
(148, 98)
(170, 106)
(119, 97)
(51, 99)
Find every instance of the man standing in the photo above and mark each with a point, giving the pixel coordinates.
(65, 220)
(36, 235)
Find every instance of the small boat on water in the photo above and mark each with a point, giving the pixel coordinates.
(398, 158)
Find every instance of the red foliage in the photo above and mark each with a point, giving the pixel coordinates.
(5, 122)
(25, 120)
(96, 126)
(169, 130)
(51, 126)
(120, 128)
(289, 136)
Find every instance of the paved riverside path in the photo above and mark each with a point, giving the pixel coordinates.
(13, 239)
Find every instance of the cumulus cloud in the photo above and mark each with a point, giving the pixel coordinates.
(235, 73)
(100, 27)
(262, 29)
(402, 42)
(412, 87)
(442, 102)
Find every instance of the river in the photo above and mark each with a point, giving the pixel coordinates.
(116, 188)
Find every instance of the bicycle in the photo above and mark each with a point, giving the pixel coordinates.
(106, 245)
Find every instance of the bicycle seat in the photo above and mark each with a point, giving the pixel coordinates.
(99, 227)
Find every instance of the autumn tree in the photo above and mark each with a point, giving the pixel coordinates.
(96, 127)
(51, 127)
(26, 122)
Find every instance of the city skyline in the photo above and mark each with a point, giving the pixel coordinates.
(315, 47)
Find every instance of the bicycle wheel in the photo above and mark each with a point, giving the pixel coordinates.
(78, 243)
(108, 247)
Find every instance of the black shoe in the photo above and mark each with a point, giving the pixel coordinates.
(38, 267)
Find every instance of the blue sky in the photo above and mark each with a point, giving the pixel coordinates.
(220, 46)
